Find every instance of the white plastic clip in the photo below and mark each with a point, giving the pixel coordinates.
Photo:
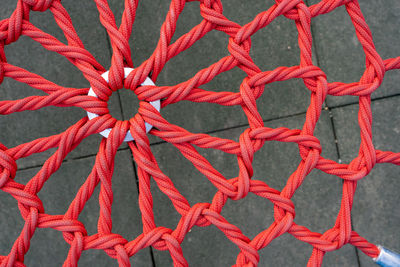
(155, 104)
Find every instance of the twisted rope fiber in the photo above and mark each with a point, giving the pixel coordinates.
(252, 139)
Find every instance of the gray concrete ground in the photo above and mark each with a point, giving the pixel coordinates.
(376, 214)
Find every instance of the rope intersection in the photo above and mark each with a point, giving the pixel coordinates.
(252, 139)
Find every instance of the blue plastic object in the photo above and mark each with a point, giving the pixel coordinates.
(387, 258)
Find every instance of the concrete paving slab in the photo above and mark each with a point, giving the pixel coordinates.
(340, 53)
(279, 99)
(376, 213)
(19, 128)
(317, 201)
(48, 247)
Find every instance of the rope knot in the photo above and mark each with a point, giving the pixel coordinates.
(240, 52)
(249, 104)
(289, 8)
(15, 22)
(8, 166)
(39, 5)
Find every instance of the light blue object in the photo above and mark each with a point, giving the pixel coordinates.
(387, 258)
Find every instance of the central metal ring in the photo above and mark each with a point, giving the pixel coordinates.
(106, 132)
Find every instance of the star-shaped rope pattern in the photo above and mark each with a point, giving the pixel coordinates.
(252, 138)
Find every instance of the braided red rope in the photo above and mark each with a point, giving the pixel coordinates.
(251, 140)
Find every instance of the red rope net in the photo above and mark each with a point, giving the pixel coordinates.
(251, 140)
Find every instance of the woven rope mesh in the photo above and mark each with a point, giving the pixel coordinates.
(32, 209)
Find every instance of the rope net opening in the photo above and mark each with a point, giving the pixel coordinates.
(251, 139)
